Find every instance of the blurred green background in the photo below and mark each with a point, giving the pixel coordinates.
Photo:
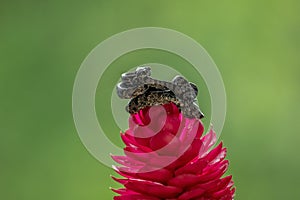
(255, 44)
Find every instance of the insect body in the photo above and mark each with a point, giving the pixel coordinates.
(152, 94)
(144, 91)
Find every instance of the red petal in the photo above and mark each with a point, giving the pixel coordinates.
(139, 141)
(213, 173)
(184, 180)
(193, 167)
(123, 191)
(135, 197)
(127, 161)
(138, 155)
(200, 129)
(214, 153)
(165, 143)
(208, 141)
(152, 188)
(160, 175)
(192, 194)
(188, 155)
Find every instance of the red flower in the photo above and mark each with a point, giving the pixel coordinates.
(166, 157)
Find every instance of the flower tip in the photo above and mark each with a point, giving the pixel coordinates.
(114, 167)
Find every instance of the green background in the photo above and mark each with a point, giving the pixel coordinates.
(255, 44)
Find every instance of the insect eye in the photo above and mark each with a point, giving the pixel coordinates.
(195, 88)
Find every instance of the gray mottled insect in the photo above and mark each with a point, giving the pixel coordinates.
(152, 95)
(145, 91)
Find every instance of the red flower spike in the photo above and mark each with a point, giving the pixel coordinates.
(174, 162)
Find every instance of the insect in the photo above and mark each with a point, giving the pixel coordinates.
(143, 90)
(153, 94)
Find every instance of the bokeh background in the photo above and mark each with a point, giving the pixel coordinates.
(255, 44)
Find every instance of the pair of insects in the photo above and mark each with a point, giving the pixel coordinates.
(153, 94)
